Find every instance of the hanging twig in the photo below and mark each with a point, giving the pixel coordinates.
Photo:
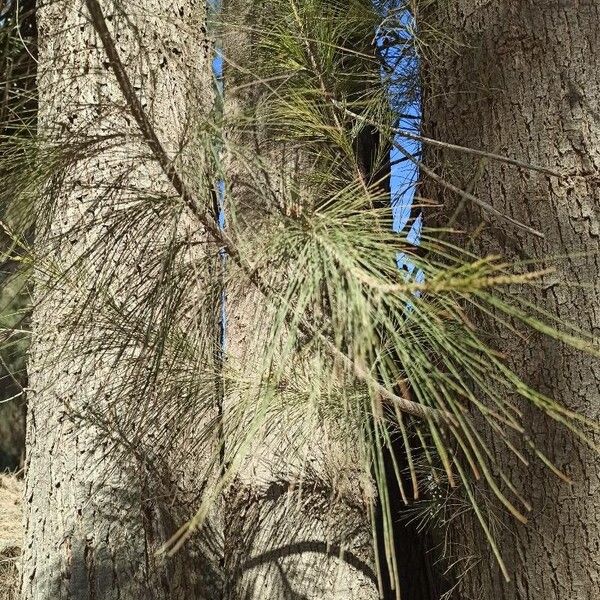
(465, 149)
(433, 175)
(219, 235)
(466, 195)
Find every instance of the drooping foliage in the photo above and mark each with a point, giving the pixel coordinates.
(17, 126)
(350, 340)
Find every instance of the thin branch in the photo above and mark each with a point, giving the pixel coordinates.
(465, 149)
(433, 175)
(449, 186)
(211, 225)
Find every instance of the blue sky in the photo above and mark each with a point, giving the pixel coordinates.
(405, 175)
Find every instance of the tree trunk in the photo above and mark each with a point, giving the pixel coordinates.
(520, 79)
(297, 515)
(112, 469)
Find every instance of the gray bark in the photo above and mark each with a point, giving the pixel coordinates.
(522, 80)
(106, 484)
(296, 517)
(297, 514)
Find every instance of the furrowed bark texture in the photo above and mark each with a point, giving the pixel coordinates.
(296, 516)
(522, 81)
(113, 466)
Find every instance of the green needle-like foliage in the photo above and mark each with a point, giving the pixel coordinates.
(313, 238)
(17, 123)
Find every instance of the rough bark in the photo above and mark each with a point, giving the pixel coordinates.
(296, 517)
(520, 79)
(104, 490)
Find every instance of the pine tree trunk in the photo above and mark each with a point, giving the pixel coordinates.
(296, 516)
(521, 79)
(103, 492)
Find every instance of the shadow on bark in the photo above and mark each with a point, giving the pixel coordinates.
(111, 549)
(292, 544)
